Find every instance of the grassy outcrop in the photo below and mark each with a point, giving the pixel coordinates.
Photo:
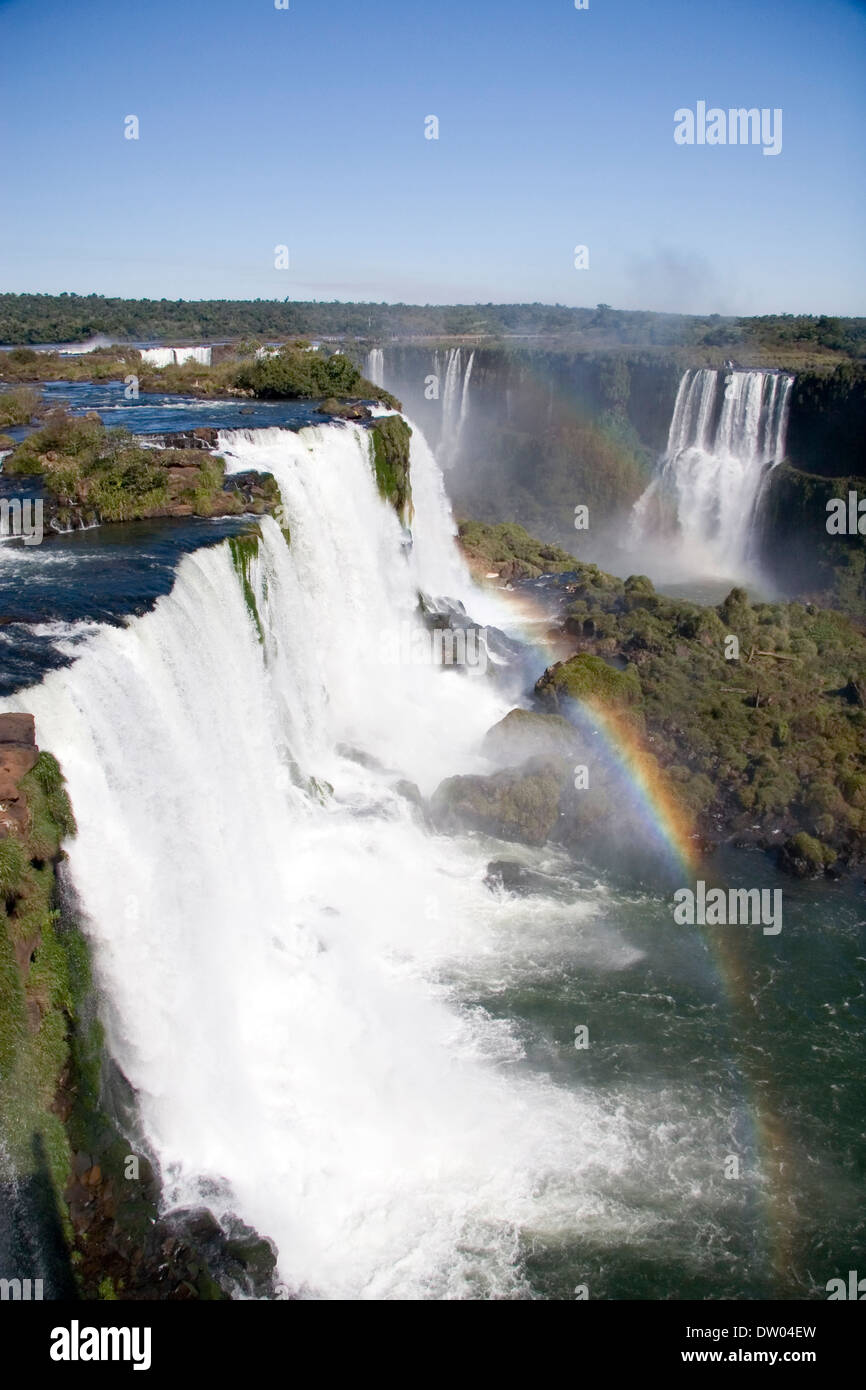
(509, 551)
(90, 473)
(301, 372)
(590, 680)
(244, 552)
(390, 444)
(44, 970)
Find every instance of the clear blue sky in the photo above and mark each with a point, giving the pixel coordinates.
(305, 127)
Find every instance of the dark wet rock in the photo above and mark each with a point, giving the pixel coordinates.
(344, 410)
(204, 437)
(412, 793)
(515, 878)
(222, 1259)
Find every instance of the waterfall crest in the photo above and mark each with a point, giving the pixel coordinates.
(727, 431)
(176, 356)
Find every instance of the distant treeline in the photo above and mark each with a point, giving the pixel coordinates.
(46, 318)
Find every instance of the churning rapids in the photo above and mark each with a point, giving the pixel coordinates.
(334, 1027)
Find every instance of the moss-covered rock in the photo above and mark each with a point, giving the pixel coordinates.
(590, 679)
(244, 550)
(509, 551)
(390, 445)
(518, 804)
(805, 857)
(41, 982)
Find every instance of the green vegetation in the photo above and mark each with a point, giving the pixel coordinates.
(807, 848)
(44, 318)
(296, 371)
(244, 551)
(517, 804)
(773, 739)
(18, 406)
(44, 978)
(827, 427)
(93, 473)
(390, 442)
(823, 568)
(590, 680)
(511, 551)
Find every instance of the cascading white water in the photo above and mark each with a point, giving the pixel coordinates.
(268, 951)
(158, 357)
(201, 355)
(169, 356)
(280, 964)
(727, 431)
(374, 369)
(455, 403)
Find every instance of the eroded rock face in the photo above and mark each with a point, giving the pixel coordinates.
(18, 754)
(18, 728)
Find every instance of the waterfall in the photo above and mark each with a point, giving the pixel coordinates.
(727, 431)
(171, 356)
(455, 403)
(158, 357)
(201, 355)
(374, 369)
(274, 930)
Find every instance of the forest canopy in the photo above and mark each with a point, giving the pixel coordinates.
(47, 319)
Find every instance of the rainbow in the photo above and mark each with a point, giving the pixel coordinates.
(666, 818)
(669, 824)
(667, 821)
